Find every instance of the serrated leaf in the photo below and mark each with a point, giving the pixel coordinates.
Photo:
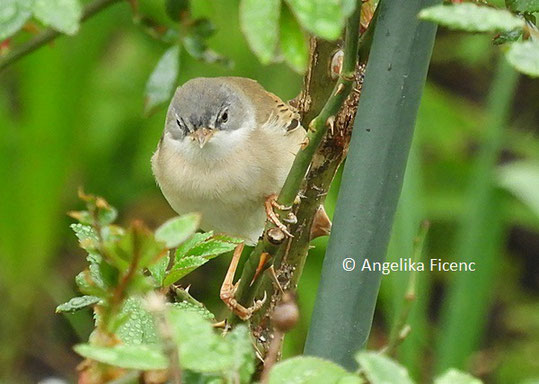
(87, 284)
(259, 21)
(200, 348)
(380, 369)
(454, 376)
(522, 180)
(524, 57)
(227, 239)
(293, 43)
(142, 357)
(529, 6)
(183, 267)
(243, 354)
(159, 269)
(200, 309)
(87, 236)
(175, 231)
(137, 242)
(162, 80)
(62, 15)
(471, 17)
(211, 248)
(196, 239)
(310, 370)
(138, 327)
(324, 18)
(77, 303)
(13, 16)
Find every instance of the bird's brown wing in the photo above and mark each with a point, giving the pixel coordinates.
(271, 110)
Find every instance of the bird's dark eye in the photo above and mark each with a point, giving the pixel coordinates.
(224, 116)
(180, 124)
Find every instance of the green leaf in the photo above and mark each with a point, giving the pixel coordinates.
(454, 376)
(196, 46)
(203, 28)
(200, 309)
(211, 248)
(62, 15)
(137, 242)
(259, 21)
(293, 42)
(139, 327)
(77, 303)
(227, 239)
(183, 267)
(88, 285)
(310, 370)
(200, 348)
(471, 17)
(380, 369)
(175, 231)
(507, 37)
(522, 180)
(524, 57)
(196, 239)
(13, 15)
(143, 357)
(529, 6)
(324, 18)
(159, 269)
(243, 354)
(87, 236)
(175, 8)
(162, 81)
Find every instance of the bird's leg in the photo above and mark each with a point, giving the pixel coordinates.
(228, 289)
(270, 203)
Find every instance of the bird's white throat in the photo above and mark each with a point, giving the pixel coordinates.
(221, 145)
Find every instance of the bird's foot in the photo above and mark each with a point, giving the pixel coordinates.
(270, 203)
(228, 290)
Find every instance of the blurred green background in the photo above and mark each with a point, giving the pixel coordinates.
(71, 115)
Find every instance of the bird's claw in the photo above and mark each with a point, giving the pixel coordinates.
(270, 203)
(228, 290)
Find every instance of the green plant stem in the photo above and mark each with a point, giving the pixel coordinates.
(50, 34)
(319, 125)
(372, 180)
(315, 90)
(409, 297)
(184, 295)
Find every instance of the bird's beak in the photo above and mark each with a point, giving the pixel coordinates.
(202, 136)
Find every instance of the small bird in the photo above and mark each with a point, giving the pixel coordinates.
(227, 146)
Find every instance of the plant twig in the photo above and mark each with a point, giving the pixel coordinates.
(318, 103)
(50, 34)
(401, 329)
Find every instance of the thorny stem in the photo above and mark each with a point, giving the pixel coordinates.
(184, 295)
(50, 34)
(310, 101)
(319, 125)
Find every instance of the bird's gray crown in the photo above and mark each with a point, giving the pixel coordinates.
(212, 103)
